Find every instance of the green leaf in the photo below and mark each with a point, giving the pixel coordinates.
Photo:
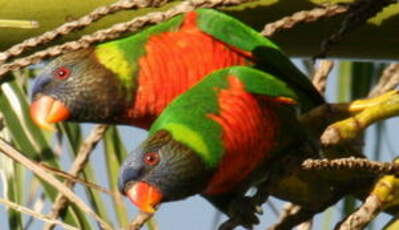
(10, 176)
(73, 136)
(114, 153)
(30, 139)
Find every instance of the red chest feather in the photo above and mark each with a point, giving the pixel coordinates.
(174, 62)
(249, 131)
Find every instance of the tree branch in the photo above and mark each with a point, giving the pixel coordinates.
(304, 16)
(291, 216)
(362, 216)
(351, 163)
(78, 24)
(388, 81)
(139, 221)
(8, 150)
(319, 78)
(116, 31)
(76, 179)
(358, 13)
(79, 163)
(367, 112)
(383, 196)
(37, 215)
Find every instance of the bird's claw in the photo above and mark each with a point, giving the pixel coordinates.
(242, 212)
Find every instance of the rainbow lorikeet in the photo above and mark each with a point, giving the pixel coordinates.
(131, 80)
(213, 138)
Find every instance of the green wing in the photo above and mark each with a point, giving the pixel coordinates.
(268, 55)
(121, 56)
(186, 117)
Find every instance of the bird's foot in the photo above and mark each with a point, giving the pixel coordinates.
(242, 211)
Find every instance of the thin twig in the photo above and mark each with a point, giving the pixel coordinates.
(76, 179)
(139, 221)
(307, 225)
(351, 163)
(287, 217)
(305, 16)
(37, 206)
(362, 216)
(37, 215)
(14, 154)
(388, 81)
(364, 113)
(358, 13)
(116, 31)
(80, 23)
(383, 196)
(80, 162)
(288, 209)
(319, 78)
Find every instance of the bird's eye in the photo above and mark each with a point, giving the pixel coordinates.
(151, 158)
(62, 73)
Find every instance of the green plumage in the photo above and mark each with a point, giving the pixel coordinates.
(268, 56)
(190, 137)
(130, 49)
(186, 117)
(103, 85)
(219, 159)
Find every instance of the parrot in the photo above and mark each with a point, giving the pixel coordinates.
(129, 81)
(217, 139)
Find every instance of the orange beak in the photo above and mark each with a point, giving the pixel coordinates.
(146, 197)
(46, 110)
